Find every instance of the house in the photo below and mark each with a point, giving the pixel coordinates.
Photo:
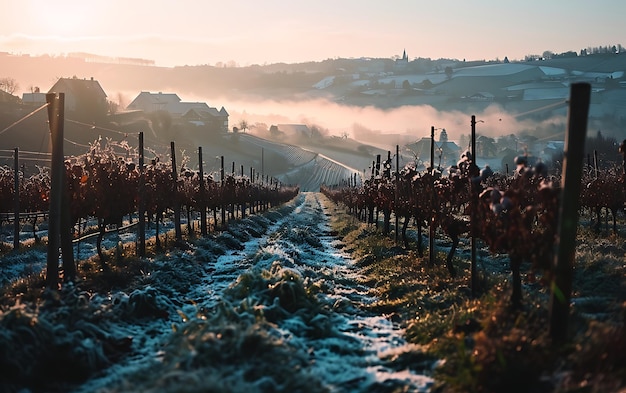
(481, 96)
(84, 97)
(208, 117)
(8, 98)
(446, 152)
(197, 113)
(36, 98)
(153, 102)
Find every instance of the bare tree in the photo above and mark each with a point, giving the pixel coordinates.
(243, 125)
(8, 85)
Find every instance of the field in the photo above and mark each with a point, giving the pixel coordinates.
(305, 297)
(487, 344)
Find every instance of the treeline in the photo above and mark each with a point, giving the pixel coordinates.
(589, 51)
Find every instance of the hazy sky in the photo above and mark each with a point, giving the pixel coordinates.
(192, 32)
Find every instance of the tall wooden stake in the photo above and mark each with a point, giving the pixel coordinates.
(141, 203)
(561, 286)
(56, 103)
(222, 187)
(177, 230)
(67, 249)
(16, 200)
(396, 189)
(431, 233)
(203, 226)
(473, 206)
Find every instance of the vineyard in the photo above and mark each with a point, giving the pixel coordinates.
(103, 188)
(514, 214)
(445, 279)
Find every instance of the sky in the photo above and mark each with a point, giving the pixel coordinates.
(247, 32)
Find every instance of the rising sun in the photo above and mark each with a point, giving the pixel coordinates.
(62, 19)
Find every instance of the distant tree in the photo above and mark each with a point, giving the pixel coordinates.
(243, 125)
(507, 142)
(318, 132)
(8, 85)
(463, 141)
(448, 71)
(259, 128)
(486, 147)
(568, 54)
(122, 100)
(506, 60)
(113, 107)
(427, 84)
(605, 147)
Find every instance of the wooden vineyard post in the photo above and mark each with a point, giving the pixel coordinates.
(16, 199)
(223, 207)
(141, 202)
(561, 286)
(67, 249)
(203, 226)
(177, 230)
(243, 202)
(431, 233)
(473, 207)
(395, 189)
(56, 102)
(253, 201)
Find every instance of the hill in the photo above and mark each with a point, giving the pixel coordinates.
(529, 96)
(287, 163)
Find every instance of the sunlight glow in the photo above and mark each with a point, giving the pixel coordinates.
(62, 20)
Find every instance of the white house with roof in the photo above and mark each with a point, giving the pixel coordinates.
(197, 113)
(153, 102)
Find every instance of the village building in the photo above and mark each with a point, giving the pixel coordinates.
(35, 98)
(84, 98)
(446, 152)
(402, 63)
(198, 113)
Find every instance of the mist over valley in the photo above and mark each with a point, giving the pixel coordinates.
(354, 109)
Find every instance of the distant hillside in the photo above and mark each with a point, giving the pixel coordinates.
(286, 163)
(531, 92)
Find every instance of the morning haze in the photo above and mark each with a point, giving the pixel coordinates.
(368, 105)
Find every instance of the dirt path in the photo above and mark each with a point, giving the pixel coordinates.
(271, 305)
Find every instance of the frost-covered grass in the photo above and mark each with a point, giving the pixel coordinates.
(273, 304)
(485, 345)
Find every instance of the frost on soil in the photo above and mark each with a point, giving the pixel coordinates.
(271, 305)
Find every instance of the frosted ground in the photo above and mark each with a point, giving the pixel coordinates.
(271, 305)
